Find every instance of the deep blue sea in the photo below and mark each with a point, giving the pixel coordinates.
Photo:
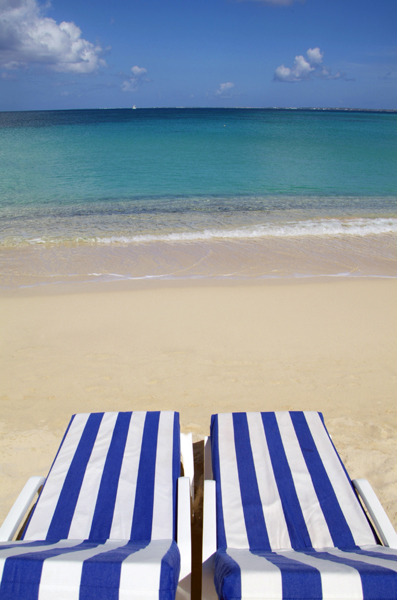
(145, 193)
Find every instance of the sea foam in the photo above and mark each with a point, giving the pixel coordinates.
(325, 227)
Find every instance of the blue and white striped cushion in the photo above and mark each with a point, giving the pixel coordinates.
(289, 523)
(84, 570)
(104, 525)
(114, 477)
(362, 573)
(284, 484)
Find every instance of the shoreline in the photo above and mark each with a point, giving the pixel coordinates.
(241, 260)
(201, 347)
(66, 288)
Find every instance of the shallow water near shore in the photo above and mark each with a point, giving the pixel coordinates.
(103, 195)
(217, 260)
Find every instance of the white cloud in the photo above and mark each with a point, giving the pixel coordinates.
(137, 79)
(27, 37)
(315, 56)
(138, 71)
(224, 89)
(303, 69)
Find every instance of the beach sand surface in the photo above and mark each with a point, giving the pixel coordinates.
(199, 348)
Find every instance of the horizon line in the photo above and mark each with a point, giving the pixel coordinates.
(281, 108)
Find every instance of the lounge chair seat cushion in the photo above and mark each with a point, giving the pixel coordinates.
(369, 572)
(104, 526)
(86, 570)
(114, 477)
(285, 509)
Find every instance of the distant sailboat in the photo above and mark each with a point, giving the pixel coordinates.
(134, 107)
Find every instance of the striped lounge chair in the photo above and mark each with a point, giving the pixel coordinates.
(289, 524)
(105, 526)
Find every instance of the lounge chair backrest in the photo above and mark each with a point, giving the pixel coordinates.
(114, 477)
(283, 483)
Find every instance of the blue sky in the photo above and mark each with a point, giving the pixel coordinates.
(119, 53)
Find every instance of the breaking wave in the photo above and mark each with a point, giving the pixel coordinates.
(326, 227)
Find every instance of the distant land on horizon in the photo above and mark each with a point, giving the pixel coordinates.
(218, 108)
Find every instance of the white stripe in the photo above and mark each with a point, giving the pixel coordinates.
(271, 503)
(46, 505)
(233, 515)
(259, 577)
(61, 575)
(369, 560)
(337, 580)
(126, 491)
(347, 499)
(381, 549)
(310, 505)
(85, 507)
(140, 572)
(19, 549)
(162, 524)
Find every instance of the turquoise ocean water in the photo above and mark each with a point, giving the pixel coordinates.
(176, 193)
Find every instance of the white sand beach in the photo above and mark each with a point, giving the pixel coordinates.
(199, 348)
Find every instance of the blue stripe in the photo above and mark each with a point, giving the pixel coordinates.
(220, 526)
(298, 580)
(176, 467)
(63, 515)
(298, 533)
(41, 491)
(227, 576)
(250, 497)
(100, 577)
(22, 574)
(384, 583)
(141, 528)
(104, 508)
(17, 543)
(378, 582)
(169, 574)
(374, 553)
(336, 521)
